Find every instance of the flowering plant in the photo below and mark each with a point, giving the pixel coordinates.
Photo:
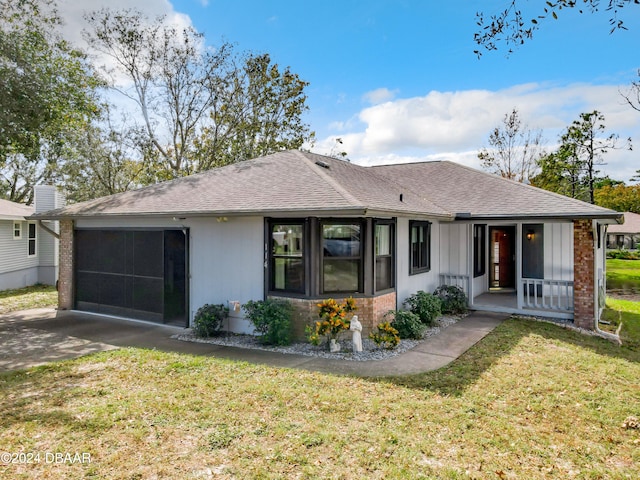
(333, 320)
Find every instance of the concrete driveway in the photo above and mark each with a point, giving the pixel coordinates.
(39, 336)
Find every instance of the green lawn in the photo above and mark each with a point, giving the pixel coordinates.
(37, 296)
(531, 400)
(623, 274)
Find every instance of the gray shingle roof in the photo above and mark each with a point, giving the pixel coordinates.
(464, 190)
(14, 211)
(631, 224)
(301, 183)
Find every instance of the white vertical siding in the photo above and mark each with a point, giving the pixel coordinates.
(558, 251)
(227, 263)
(427, 281)
(454, 248)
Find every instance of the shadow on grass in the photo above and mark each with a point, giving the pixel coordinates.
(455, 378)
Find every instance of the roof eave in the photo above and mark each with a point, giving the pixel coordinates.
(613, 217)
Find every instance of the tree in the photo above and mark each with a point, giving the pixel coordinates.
(515, 149)
(572, 169)
(632, 96)
(107, 159)
(200, 107)
(47, 89)
(621, 198)
(511, 27)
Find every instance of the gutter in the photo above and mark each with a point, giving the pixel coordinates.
(614, 337)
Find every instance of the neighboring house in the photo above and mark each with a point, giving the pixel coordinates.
(302, 226)
(28, 253)
(627, 235)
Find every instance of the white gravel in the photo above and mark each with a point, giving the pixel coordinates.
(370, 350)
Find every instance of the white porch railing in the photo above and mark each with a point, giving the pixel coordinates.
(547, 294)
(452, 279)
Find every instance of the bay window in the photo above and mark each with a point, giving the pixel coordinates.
(342, 257)
(287, 257)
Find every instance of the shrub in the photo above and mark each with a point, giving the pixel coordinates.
(271, 319)
(623, 254)
(208, 320)
(452, 297)
(407, 324)
(333, 320)
(386, 336)
(425, 305)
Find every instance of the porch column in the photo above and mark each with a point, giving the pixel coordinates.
(583, 275)
(65, 275)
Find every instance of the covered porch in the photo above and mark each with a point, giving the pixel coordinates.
(554, 269)
(539, 297)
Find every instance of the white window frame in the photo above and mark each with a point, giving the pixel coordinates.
(34, 239)
(18, 229)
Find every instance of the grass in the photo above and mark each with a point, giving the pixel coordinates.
(36, 296)
(623, 275)
(531, 400)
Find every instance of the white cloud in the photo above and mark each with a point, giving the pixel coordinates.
(73, 11)
(380, 95)
(455, 125)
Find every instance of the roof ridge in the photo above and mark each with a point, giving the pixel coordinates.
(327, 178)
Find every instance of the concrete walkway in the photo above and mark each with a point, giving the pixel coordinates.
(37, 337)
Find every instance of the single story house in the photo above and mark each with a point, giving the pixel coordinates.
(302, 226)
(28, 254)
(626, 235)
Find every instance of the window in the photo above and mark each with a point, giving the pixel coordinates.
(32, 239)
(17, 230)
(342, 257)
(420, 247)
(287, 259)
(384, 255)
(479, 250)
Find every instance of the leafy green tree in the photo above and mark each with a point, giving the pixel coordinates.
(621, 198)
(512, 27)
(514, 149)
(47, 89)
(199, 107)
(572, 169)
(105, 159)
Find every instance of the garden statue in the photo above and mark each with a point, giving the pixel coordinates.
(356, 328)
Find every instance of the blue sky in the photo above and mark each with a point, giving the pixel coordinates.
(398, 80)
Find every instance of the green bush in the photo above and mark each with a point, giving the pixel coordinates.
(425, 305)
(407, 324)
(624, 254)
(208, 320)
(452, 297)
(271, 319)
(386, 336)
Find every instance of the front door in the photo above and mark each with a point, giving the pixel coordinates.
(503, 257)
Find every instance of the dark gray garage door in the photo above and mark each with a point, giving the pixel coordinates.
(133, 273)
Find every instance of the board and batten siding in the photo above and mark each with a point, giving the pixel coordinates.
(227, 264)
(558, 251)
(427, 281)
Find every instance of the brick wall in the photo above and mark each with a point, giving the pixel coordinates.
(583, 276)
(370, 311)
(65, 275)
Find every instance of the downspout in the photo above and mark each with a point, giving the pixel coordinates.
(614, 337)
(48, 230)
